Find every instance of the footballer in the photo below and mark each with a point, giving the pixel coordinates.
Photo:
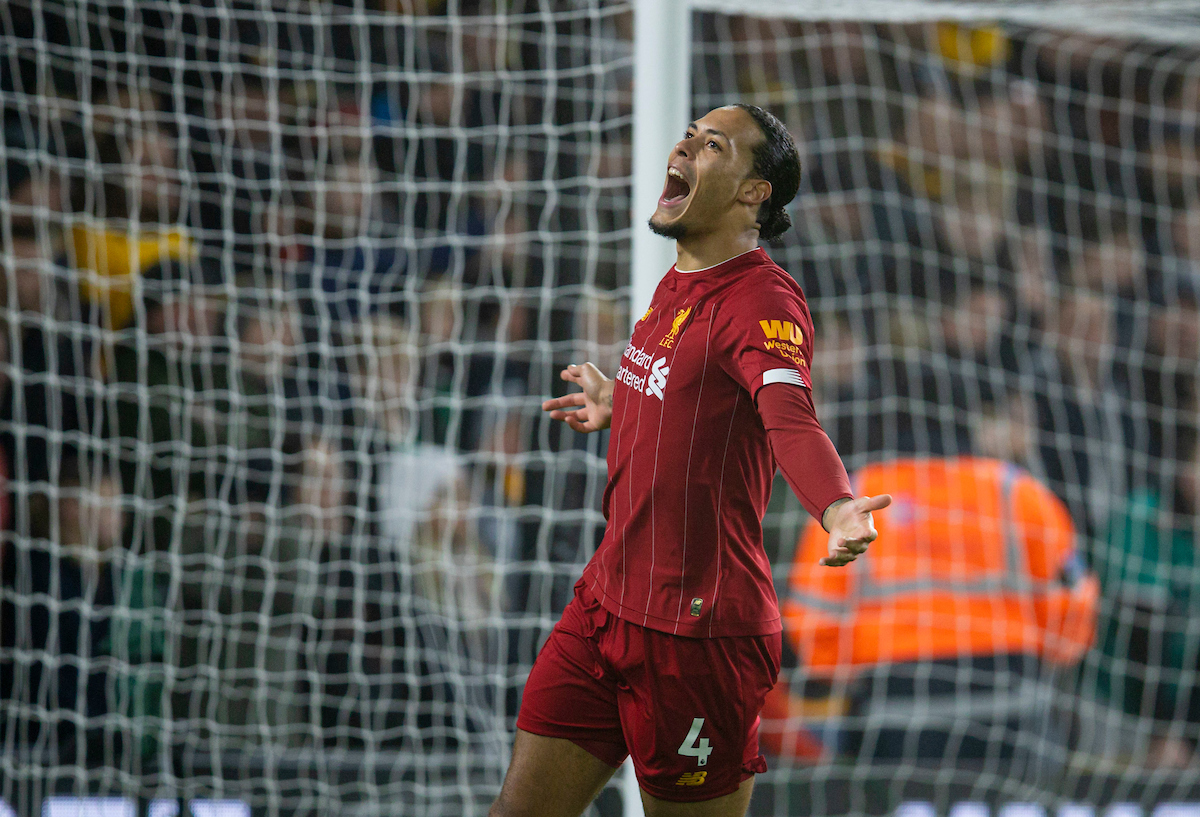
(672, 640)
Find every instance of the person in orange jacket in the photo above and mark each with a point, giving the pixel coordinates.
(954, 622)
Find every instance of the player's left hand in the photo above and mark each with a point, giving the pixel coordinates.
(851, 529)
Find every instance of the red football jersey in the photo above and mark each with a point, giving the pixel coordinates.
(689, 464)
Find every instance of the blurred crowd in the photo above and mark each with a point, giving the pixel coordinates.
(275, 330)
(997, 235)
(282, 295)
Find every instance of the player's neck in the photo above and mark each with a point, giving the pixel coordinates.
(703, 251)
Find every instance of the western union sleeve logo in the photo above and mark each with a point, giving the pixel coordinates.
(680, 317)
(691, 779)
(782, 330)
(784, 339)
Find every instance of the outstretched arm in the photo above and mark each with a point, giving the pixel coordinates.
(814, 470)
(588, 410)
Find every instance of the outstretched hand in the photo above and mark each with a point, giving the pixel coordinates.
(588, 410)
(851, 529)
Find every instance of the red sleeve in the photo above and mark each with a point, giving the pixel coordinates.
(766, 333)
(807, 458)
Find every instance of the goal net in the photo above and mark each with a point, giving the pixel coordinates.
(997, 237)
(286, 282)
(285, 286)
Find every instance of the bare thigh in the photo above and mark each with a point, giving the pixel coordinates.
(733, 804)
(550, 777)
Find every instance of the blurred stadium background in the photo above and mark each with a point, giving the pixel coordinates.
(285, 282)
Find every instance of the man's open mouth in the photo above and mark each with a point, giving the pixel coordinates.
(676, 188)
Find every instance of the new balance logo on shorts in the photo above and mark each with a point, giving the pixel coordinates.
(691, 779)
(658, 378)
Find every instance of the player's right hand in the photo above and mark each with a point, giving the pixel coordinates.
(586, 411)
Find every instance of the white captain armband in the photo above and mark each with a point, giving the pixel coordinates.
(783, 376)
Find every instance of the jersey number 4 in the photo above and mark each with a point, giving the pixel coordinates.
(694, 745)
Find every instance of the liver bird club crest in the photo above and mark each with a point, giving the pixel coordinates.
(669, 339)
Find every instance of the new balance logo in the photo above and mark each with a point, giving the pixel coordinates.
(691, 779)
(782, 330)
(657, 380)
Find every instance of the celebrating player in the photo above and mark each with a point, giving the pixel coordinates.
(673, 638)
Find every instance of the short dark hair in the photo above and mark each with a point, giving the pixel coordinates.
(776, 160)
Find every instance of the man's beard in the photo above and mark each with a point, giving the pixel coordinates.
(676, 230)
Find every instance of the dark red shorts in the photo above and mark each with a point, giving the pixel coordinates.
(686, 709)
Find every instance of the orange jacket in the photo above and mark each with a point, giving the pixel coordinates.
(968, 562)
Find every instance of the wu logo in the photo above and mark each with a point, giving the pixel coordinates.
(782, 330)
(657, 380)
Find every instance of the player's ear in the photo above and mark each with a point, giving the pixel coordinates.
(754, 191)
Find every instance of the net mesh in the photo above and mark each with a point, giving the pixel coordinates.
(286, 282)
(285, 286)
(996, 236)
